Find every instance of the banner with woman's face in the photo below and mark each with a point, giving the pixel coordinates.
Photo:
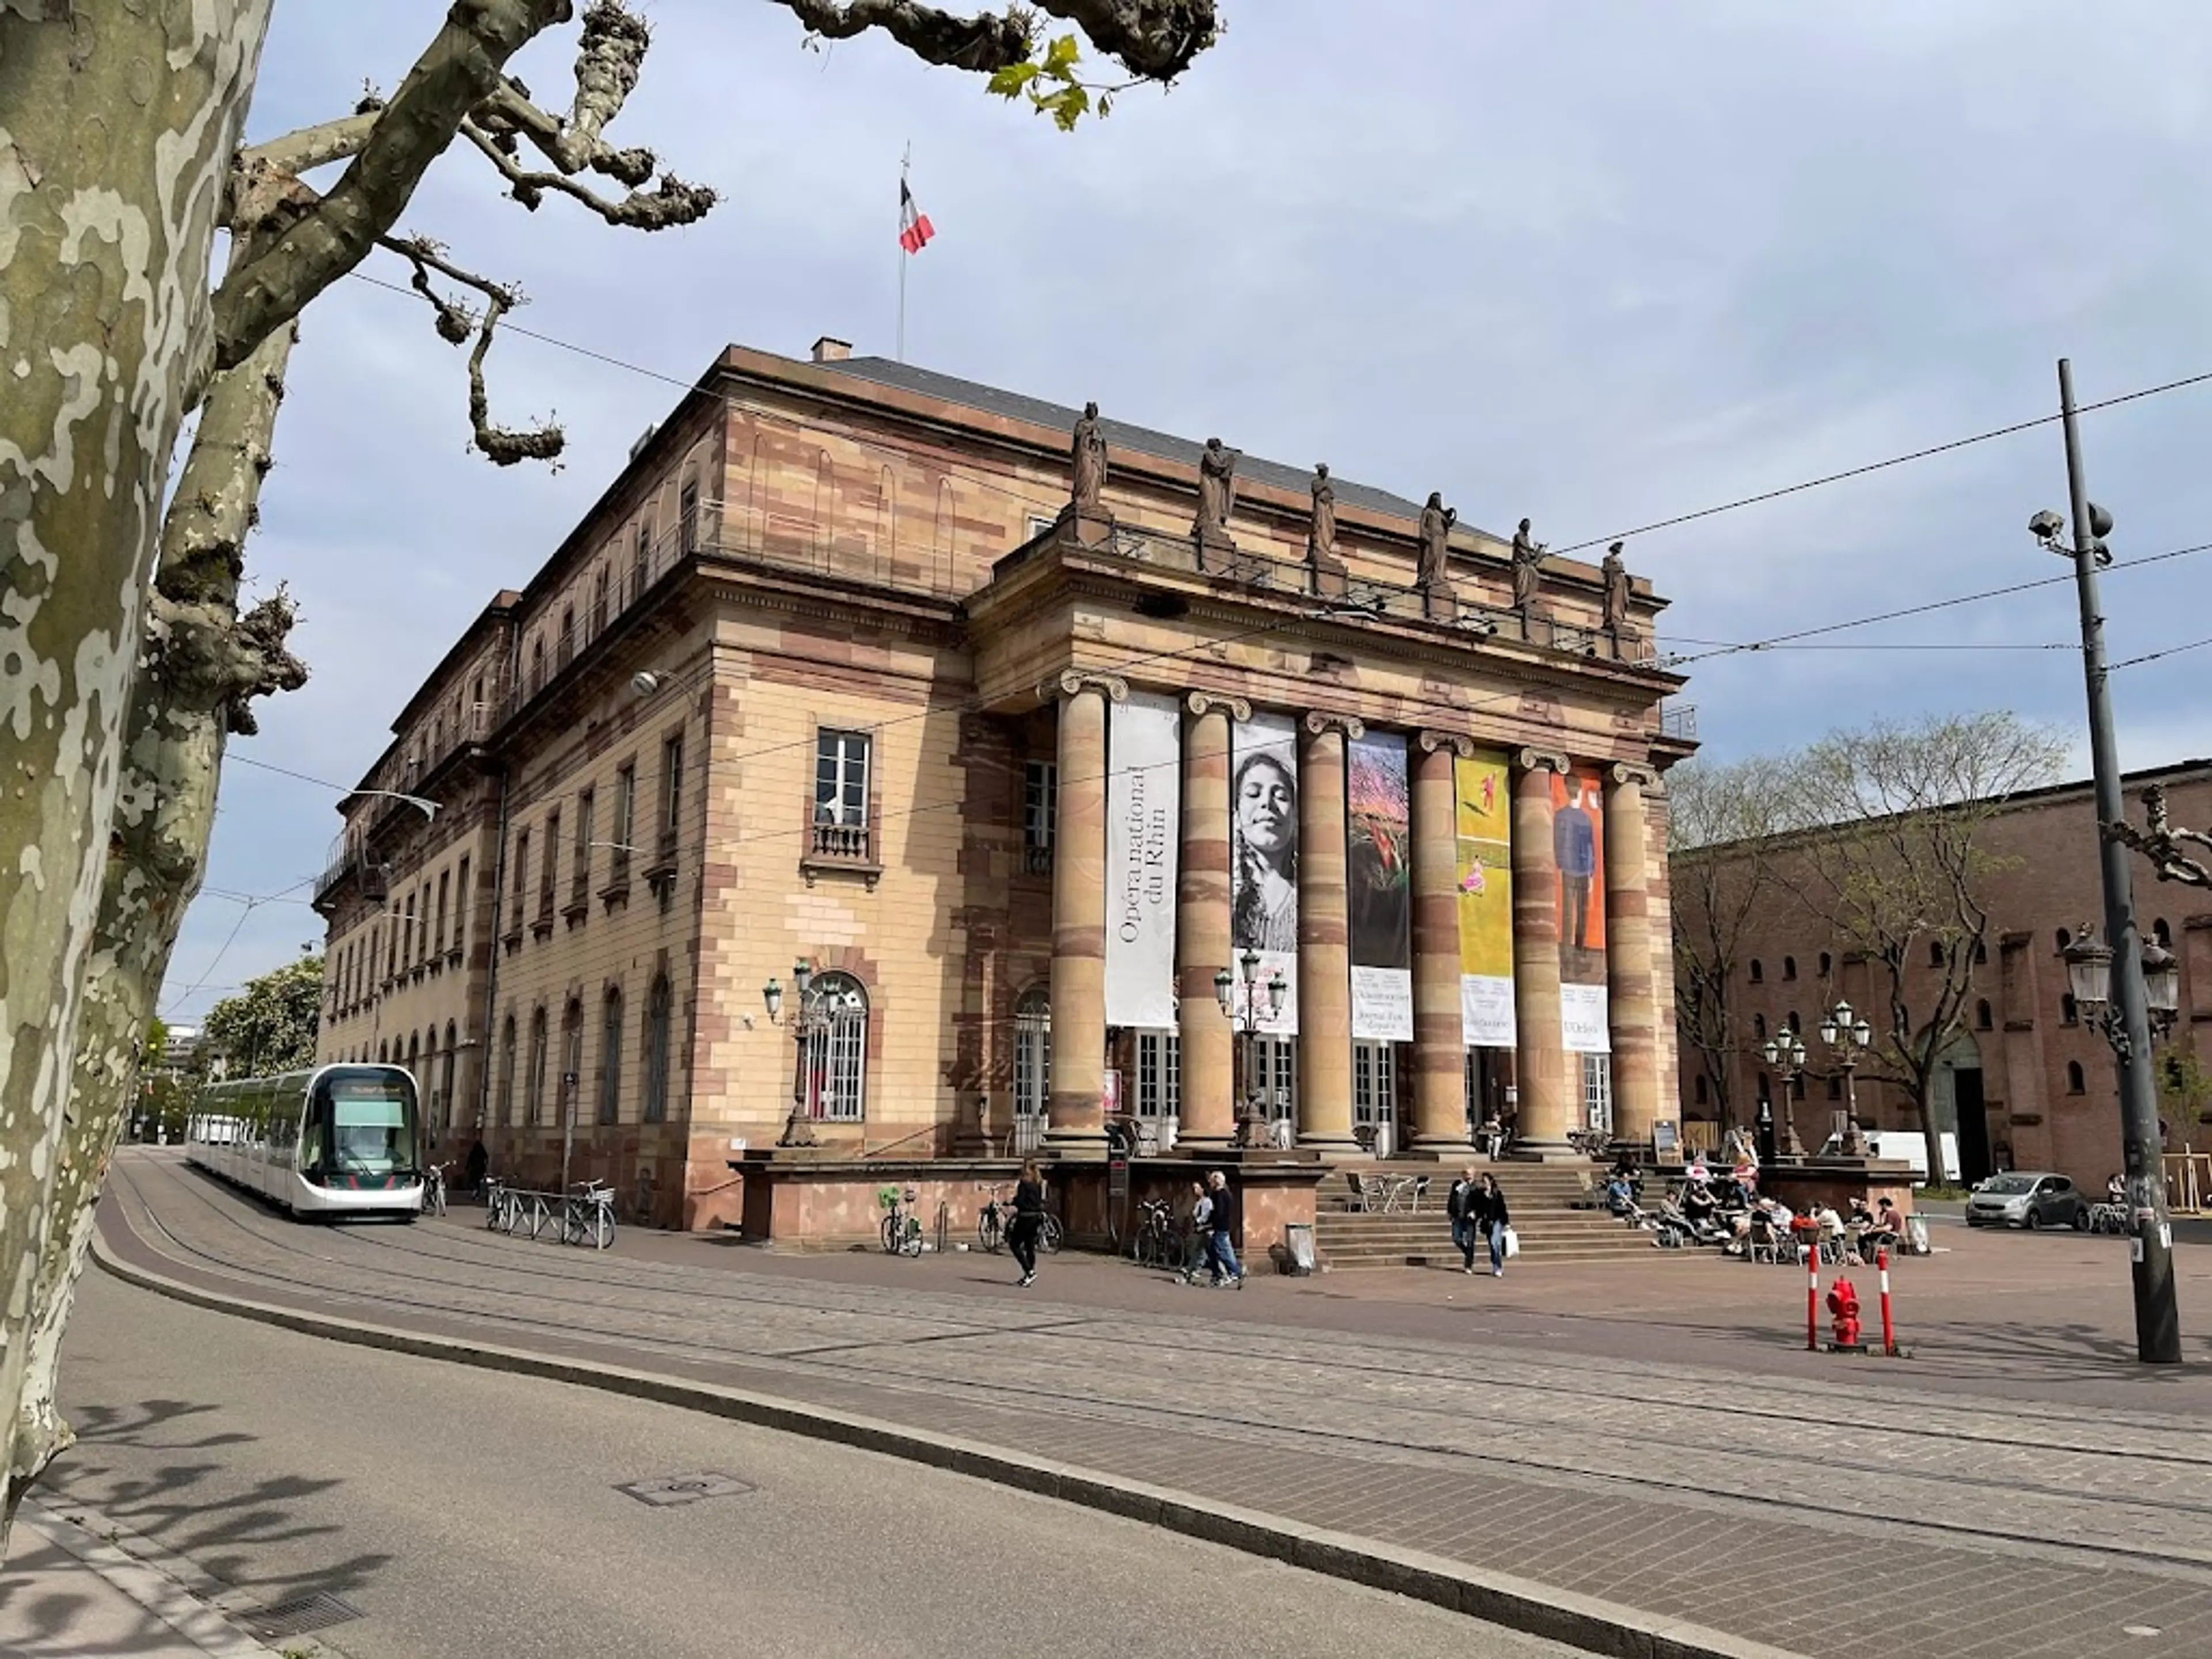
(1263, 859)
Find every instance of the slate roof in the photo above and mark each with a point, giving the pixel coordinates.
(1183, 451)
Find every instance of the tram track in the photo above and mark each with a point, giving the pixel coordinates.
(585, 1321)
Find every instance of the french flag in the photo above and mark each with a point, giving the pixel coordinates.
(915, 228)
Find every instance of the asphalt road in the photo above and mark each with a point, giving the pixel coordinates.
(469, 1512)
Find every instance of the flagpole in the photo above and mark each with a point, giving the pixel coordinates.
(905, 161)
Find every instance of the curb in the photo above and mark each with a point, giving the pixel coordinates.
(1519, 1604)
(148, 1577)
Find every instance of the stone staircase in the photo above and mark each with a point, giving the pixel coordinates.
(1538, 1196)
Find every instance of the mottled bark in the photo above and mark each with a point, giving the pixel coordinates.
(115, 135)
(202, 663)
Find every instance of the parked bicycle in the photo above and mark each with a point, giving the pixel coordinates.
(901, 1228)
(1155, 1244)
(998, 1214)
(588, 1216)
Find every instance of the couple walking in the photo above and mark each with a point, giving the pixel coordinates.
(1213, 1233)
(1479, 1215)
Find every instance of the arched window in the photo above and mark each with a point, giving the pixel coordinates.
(564, 652)
(641, 559)
(2162, 933)
(1983, 1020)
(1981, 950)
(1032, 1055)
(383, 1056)
(837, 1052)
(507, 1071)
(1758, 1027)
(533, 1100)
(2073, 1082)
(2068, 1013)
(1797, 1026)
(611, 1059)
(1699, 1092)
(1827, 963)
(414, 1058)
(537, 666)
(2065, 938)
(599, 601)
(572, 1060)
(445, 1077)
(656, 1051)
(1789, 967)
(1758, 972)
(1934, 953)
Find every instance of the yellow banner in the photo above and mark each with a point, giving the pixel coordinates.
(1484, 825)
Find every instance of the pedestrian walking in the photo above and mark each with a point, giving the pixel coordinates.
(1460, 1206)
(1197, 1247)
(1494, 1218)
(1222, 1221)
(1028, 1220)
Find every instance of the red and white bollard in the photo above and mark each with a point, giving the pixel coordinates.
(1812, 1298)
(1888, 1330)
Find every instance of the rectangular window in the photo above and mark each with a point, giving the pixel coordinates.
(1159, 1074)
(1040, 814)
(1374, 1083)
(687, 509)
(1275, 1076)
(407, 942)
(671, 794)
(1597, 1091)
(625, 809)
(445, 887)
(462, 900)
(521, 876)
(580, 875)
(840, 777)
(549, 872)
(641, 561)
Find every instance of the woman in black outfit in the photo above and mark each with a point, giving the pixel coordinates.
(1493, 1218)
(1028, 1220)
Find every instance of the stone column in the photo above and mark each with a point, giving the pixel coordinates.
(1546, 1102)
(1077, 1109)
(1209, 1108)
(1324, 940)
(1439, 1033)
(1629, 1007)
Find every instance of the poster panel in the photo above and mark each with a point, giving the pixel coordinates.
(1484, 827)
(1143, 818)
(1263, 858)
(1380, 888)
(1578, 844)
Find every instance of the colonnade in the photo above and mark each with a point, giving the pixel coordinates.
(1549, 1100)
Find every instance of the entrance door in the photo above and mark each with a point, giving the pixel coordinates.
(1974, 1162)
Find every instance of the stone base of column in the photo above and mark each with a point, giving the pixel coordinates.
(1330, 1146)
(1187, 1145)
(1546, 1151)
(1073, 1142)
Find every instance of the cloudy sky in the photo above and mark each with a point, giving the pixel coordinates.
(1595, 261)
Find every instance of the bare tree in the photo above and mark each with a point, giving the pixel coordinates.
(123, 658)
(1721, 822)
(1898, 870)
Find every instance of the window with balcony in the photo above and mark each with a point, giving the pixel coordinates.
(670, 819)
(840, 796)
(548, 871)
(1039, 815)
(464, 897)
(687, 517)
(620, 830)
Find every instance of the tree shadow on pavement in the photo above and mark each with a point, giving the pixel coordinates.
(142, 1468)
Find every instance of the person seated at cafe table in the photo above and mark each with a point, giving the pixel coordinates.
(1888, 1226)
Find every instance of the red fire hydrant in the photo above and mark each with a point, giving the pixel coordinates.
(1844, 1306)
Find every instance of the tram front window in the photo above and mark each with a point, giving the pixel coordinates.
(372, 1128)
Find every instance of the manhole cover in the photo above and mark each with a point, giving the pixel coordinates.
(685, 1488)
(301, 1615)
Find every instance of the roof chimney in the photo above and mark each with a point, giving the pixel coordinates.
(828, 350)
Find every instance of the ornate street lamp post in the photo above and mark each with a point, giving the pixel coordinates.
(1847, 1037)
(810, 1018)
(1262, 1001)
(1785, 1052)
(2089, 977)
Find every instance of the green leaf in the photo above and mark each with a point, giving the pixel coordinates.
(1009, 81)
(1060, 59)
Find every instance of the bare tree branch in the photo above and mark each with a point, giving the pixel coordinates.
(310, 148)
(458, 70)
(502, 446)
(1156, 40)
(608, 60)
(671, 202)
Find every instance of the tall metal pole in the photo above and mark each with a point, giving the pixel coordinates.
(2158, 1322)
(906, 161)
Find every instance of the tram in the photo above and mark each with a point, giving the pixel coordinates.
(336, 1141)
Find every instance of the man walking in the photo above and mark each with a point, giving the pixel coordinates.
(1461, 1207)
(1223, 1220)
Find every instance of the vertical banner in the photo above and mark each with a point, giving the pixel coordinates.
(1578, 843)
(1380, 896)
(1263, 859)
(1485, 830)
(1142, 820)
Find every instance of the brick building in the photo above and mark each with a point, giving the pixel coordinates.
(836, 672)
(2028, 1083)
